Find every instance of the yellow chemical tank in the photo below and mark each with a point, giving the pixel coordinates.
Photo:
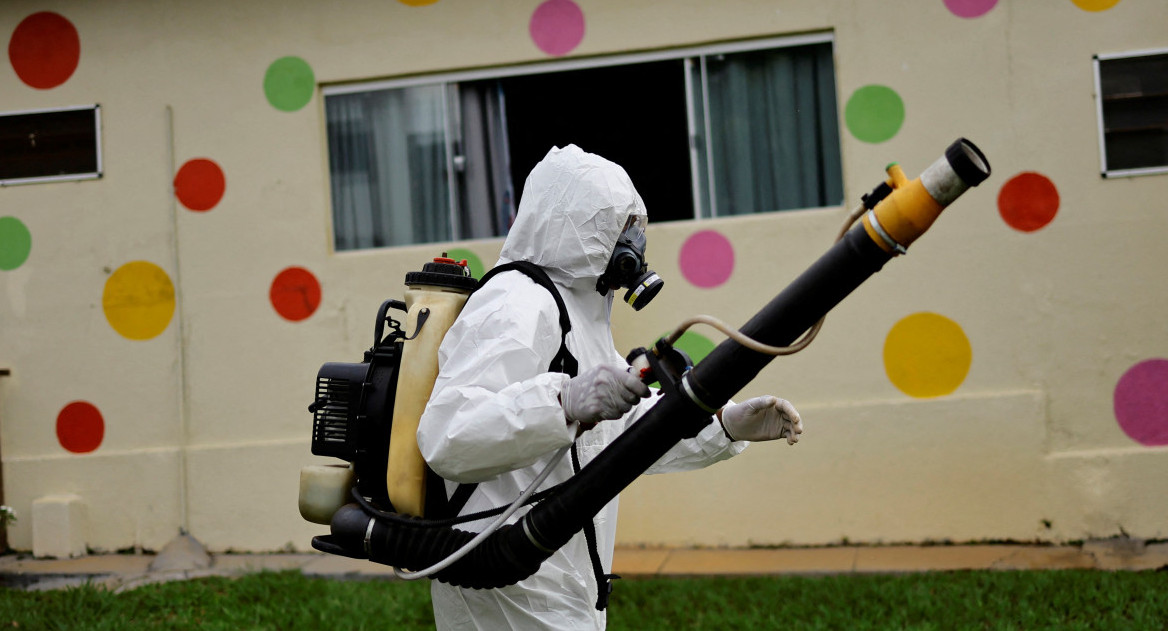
(434, 297)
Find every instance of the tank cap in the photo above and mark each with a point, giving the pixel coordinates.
(443, 272)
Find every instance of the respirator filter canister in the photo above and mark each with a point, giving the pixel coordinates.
(627, 268)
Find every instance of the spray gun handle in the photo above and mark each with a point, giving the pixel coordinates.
(639, 361)
(664, 364)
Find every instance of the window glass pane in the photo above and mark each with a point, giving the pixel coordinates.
(705, 135)
(632, 114)
(485, 190)
(700, 163)
(50, 144)
(1135, 111)
(387, 163)
(773, 134)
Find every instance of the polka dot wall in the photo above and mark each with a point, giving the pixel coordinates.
(925, 354)
(138, 299)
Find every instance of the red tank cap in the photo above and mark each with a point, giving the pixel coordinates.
(443, 259)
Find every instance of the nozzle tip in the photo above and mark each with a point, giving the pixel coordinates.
(968, 162)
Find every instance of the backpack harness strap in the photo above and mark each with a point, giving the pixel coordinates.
(566, 363)
(563, 362)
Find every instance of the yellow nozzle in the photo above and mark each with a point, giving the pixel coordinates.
(902, 216)
(907, 212)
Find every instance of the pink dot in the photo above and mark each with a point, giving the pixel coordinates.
(1141, 402)
(557, 26)
(970, 8)
(707, 259)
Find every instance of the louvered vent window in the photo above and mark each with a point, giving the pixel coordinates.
(1132, 93)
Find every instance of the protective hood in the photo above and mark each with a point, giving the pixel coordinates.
(573, 209)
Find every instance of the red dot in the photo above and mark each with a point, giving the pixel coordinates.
(199, 184)
(80, 427)
(44, 50)
(1028, 201)
(295, 293)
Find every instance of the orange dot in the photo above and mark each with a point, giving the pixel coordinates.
(44, 50)
(80, 427)
(295, 293)
(199, 184)
(1028, 201)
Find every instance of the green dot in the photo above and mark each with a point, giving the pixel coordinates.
(15, 243)
(289, 83)
(696, 345)
(874, 113)
(472, 260)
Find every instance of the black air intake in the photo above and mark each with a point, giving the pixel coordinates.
(338, 394)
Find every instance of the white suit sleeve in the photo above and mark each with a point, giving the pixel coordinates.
(709, 446)
(494, 407)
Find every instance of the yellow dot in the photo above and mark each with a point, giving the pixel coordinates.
(1095, 5)
(138, 300)
(927, 355)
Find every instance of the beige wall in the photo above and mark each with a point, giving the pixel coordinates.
(205, 425)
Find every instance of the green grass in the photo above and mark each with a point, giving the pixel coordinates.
(954, 600)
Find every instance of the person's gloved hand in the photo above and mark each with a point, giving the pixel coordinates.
(762, 418)
(602, 393)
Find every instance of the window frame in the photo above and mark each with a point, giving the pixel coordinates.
(1102, 131)
(701, 171)
(68, 177)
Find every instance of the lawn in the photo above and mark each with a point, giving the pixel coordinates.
(1070, 599)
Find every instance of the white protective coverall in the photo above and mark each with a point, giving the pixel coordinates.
(495, 417)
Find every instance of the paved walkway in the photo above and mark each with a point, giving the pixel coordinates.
(184, 558)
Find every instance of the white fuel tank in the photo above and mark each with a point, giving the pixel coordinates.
(434, 297)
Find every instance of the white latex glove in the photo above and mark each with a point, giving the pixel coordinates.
(602, 393)
(762, 418)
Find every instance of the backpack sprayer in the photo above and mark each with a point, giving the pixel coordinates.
(366, 524)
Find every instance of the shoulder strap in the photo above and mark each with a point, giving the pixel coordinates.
(603, 580)
(563, 362)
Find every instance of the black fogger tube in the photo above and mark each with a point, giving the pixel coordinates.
(684, 411)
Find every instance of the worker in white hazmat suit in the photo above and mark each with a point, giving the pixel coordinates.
(496, 415)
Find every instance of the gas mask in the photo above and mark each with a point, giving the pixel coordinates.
(627, 267)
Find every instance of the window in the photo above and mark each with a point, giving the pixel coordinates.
(721, 130)
(1132, 97)
(50, 145)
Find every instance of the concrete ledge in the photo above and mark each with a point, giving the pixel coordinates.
(120, 572)
(1110, 555)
